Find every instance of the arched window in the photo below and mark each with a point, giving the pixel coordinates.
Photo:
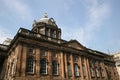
(76, 70)
(55, 68)
(30, 65)
(43, 66)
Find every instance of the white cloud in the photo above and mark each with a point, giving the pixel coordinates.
(18, 7)
(96, 13)
(4, 34)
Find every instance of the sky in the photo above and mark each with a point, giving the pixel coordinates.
(94, 23)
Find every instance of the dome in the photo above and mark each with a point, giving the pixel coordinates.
(46, 20)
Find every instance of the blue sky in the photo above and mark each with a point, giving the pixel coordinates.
(94, 23)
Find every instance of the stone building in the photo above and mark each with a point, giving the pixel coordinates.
(117, 62)
(41, 54)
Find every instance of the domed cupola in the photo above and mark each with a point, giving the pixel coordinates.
(47, 26)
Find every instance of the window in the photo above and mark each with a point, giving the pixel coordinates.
(43, 66)
(75, 58)
(30, 65)
(55, 68)
(43, 53)
(59, 35)
(46, 31)
(52, 33)
(84, 71)
(92, 72)
(30, 50)
(69, 70)
(101, 72)
(97, 73)
(76, 70)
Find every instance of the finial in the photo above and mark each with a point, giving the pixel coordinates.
(45, 15)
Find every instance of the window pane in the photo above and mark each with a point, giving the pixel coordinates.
(76, 70)
(55, 68)
(84, 71)
(46, 31)
(97, 73)
(30, 65)
(43, 67)
(69, 70)
(92, 72)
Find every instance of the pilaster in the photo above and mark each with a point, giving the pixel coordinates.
(85, 65)
(72, 66)
(23, 66)
(66, 70)
(18, 51)
(49, 64)
(88, 69)
(81, 72)
(37, 62)
(62, 65)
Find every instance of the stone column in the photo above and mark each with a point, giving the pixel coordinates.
(50, 64)
(37, 62)
(79, 66)
(62, 65)
(23, 62)
(72, 66)
(85, 65)
(66, 70)
(18, 51)
(104, 71)
(81, 72)
(88, 69)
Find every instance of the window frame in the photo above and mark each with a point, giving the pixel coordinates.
(92, 72)
(76, 70)
(42, 69)
(55, 68)
(69, 70)
(84, 71)
(97, 72)
(30, 62)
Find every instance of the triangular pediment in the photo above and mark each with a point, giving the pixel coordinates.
(75, 44)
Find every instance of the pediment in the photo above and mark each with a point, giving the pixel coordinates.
(75, 44)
